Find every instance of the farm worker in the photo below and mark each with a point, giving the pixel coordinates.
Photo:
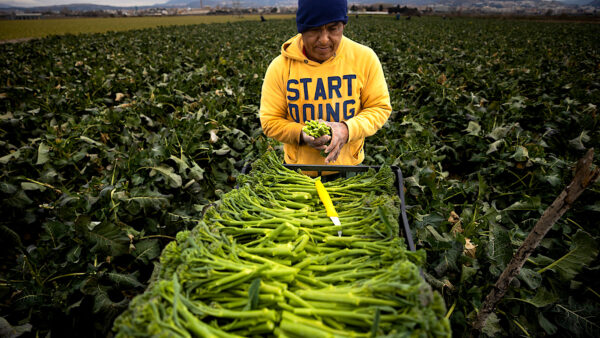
(323, 75)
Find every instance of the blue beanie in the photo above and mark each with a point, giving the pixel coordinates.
(316, 13)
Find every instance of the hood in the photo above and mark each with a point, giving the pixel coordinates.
(293, 47)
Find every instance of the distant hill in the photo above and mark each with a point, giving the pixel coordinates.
(228, 3)
(167, 4)
(72, 7)
(264, 3)
(575, 2)
(595, 3)
(473, 2)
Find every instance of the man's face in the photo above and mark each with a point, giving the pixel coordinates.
(321, 42)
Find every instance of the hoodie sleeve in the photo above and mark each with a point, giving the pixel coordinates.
(375, 102)
(273, 106)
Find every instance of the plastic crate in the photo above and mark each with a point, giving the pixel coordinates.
(346, 170)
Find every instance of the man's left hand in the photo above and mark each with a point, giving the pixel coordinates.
(339, 137)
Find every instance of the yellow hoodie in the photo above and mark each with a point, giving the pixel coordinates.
(349, 87)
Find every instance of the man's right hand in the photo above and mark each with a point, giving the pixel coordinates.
(319, 143)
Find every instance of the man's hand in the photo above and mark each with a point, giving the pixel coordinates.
(339, 137)
(319, 143)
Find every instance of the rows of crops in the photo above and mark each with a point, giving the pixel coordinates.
(112, 143)
(20, 29)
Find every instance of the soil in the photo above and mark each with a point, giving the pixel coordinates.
(15, 40)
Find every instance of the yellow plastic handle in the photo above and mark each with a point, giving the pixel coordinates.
(324, 196)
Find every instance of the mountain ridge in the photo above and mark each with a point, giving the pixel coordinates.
(86, 6)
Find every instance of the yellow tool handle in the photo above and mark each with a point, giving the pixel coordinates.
(324, 196)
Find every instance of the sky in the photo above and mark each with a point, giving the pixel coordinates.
(34, 3)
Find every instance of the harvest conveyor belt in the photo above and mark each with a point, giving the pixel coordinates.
(266, 260)
(346, 171)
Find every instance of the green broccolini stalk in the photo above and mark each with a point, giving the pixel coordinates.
(267, 261)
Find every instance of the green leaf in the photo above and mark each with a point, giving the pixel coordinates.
(499, 133)
(494, 146)
(546, 324)
(577, 142)
(19, 200)
(414, 125)
(521, 154)
(530, 277)
(499, 247)
(541, 299)
(28, 301)
(42, 154)
(376, 322)
(48, 175)
(530, 203)
(8, 188)
(450, 258)
(492, 326)
(253, 293)
(196, 172)
(581, 319)
(437, 235)
(413, 181)
(73, 254)
(4, 159)
(517, 102)
(584, 250)
(223, 150)
(32, 186)
(103, 303)
(181, 163)
(137, 180)
(541, 260)
(124, 280)
(553, 179)
(593, 207)
(90, 141)
(8, 115)
(74, 306)
(147, 199)
(146, 250)
(54, 232)
(473, 128)
(108, 238)
(467, 272)
(174, 179)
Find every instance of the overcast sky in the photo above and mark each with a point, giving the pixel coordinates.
(33, 3)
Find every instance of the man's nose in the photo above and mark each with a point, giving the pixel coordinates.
(323, 36)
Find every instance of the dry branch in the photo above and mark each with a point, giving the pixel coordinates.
(585, 175)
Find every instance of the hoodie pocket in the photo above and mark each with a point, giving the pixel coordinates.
(291, 153)
(356, 150)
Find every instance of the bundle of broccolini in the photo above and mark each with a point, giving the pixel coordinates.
(317, 129)
(267, 261)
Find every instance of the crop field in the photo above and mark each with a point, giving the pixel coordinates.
(18, 29)
(113, 143)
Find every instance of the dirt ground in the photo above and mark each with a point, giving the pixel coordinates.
(15, 40)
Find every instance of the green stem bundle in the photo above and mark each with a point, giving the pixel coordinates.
(267, 261)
